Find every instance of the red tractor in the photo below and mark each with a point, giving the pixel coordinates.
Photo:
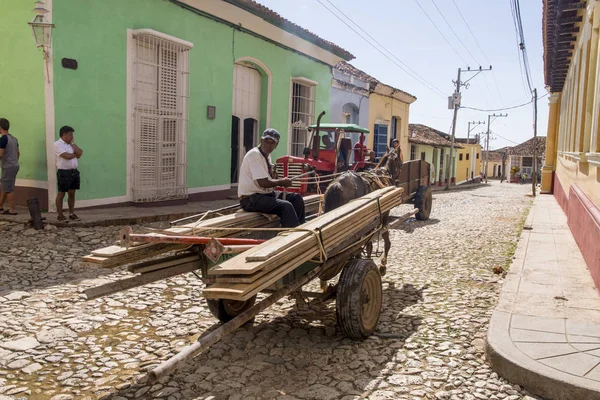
(330, 151)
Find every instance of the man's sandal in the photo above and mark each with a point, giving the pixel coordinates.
(62, 218)
(74, 217)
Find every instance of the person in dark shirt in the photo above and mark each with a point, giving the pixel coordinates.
(9, 153)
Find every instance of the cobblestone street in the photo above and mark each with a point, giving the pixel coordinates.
(439, 293)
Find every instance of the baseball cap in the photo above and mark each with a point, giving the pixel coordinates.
(271, 134)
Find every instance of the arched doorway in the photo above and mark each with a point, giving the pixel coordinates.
(246, 111)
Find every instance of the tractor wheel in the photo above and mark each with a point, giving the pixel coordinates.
(423, 200)
(359, 298)
(225, 310)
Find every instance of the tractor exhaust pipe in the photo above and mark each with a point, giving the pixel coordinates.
(316, 143)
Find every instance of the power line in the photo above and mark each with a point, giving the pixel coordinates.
(518, 23)
(440, 32)
(517, 37)
(503, 109)
(414, 75)
(502, 137)
(423, 80)
(480, 49)
(455, 34)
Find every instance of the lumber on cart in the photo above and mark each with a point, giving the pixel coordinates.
(116, 255)
(242, 277)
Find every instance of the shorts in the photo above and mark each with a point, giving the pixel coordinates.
(67, 179)
(8, 178)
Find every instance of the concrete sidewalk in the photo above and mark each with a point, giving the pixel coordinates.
(545, 332)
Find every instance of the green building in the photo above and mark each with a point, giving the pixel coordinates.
(165, 96)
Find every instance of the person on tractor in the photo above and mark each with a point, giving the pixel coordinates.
(328, 143)
(357, 147)
(257, 182)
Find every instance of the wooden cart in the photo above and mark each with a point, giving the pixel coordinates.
(358, 291)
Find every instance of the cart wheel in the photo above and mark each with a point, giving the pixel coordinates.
(423, 200)
(359, 298)
(225, 310)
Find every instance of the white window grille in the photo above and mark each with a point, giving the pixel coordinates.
(303, 115)
(160, 95)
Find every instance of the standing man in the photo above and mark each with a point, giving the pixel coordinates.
(67, 176)
(9, 153)
(257, 181)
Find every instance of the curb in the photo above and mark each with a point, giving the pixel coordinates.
(513, 365)
(106, 222)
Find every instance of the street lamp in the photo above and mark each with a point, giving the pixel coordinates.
(41, 27)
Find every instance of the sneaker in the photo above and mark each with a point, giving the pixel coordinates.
(74, 217)
(62, 218)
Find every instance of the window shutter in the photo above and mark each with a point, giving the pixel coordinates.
(160, 113)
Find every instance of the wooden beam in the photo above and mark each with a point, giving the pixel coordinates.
(570, 20)
(139, 280)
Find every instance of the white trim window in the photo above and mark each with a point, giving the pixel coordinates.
(302, 113)
(160, 94)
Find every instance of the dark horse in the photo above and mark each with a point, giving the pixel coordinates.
(350, 185)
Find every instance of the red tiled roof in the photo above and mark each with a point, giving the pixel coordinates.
(494, 155)
(526, 148)
(275, 19)
(426, 135)
(352, 70)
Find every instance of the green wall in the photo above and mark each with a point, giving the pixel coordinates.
(22, 87)
(92, 98)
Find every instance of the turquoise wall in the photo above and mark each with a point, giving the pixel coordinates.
(22, 87)
(92, 98)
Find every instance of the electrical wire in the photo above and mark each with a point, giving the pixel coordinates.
(480, 49)
(518, 23)
(440, 32)
(517, 37)
(502, 137)
(407, 70)
(455, 34)
(422, 80)
(504, 109)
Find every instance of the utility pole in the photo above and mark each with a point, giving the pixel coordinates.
(534, 177)
(456, 105)
(487, 142)
(475, 124)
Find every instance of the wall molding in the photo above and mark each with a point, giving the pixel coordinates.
(205, 189)
(100, 202)
(31, 183)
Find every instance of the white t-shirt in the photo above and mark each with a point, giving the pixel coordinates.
(60, 146)
(254, 167)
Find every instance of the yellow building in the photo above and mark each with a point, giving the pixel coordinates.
(494, 164)
(388, 112)
(468, 166)
(572, 164)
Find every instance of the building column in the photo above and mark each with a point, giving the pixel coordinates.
(551, 143)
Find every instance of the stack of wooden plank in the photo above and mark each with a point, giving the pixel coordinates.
(115, 256)
(256, 269)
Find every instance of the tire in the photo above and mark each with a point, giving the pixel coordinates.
(423, 200)
(359, 298)
(226, 310)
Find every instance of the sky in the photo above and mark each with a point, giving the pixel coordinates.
(405, 29)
